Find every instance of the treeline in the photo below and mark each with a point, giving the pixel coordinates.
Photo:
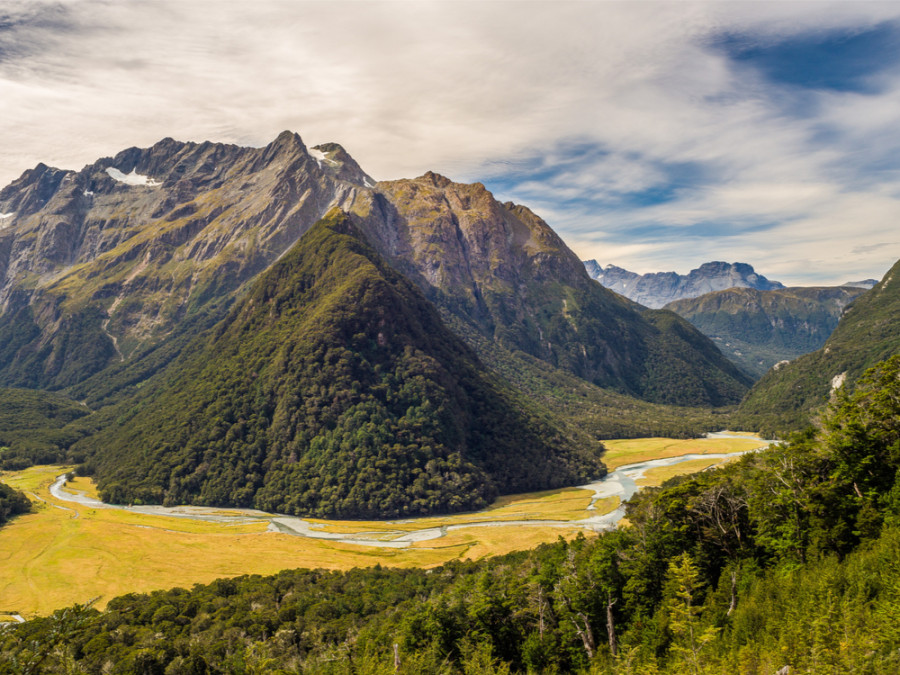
(38, 427)
(789, 557)
(12, 503)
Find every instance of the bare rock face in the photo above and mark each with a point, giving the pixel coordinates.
(660, 288)
(137, 240)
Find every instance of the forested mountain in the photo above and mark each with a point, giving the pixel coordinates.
(332, 388)
(785, 561)
(657, 289)
(757, 329)
(99, 266)
(869, 331)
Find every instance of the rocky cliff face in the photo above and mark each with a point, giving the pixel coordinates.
(127, 246)
(660, 288)
(502, 271)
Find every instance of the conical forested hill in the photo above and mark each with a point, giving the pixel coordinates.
(332, 389)
(868, 332)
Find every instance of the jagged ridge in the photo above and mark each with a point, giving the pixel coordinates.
(657, 289)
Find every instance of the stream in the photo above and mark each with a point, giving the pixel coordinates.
(621, 483)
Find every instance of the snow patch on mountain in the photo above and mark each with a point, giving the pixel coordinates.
(133, 178)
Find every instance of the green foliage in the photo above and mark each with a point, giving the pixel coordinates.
(589, 412)
(37, 427)
(683, 367)
(76, 348)
(331, 389)
(746, 569)
(12, 503)
(788, 398)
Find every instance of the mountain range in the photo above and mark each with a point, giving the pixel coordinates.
(95, 268)
(789, 395)
(117, 280)
(657, 289)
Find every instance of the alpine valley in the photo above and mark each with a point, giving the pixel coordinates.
(272, 333)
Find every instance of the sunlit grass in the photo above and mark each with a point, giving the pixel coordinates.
(660, 474)
(631, 451)
(565, 504)
(65, 552)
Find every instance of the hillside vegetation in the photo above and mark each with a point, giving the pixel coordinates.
(787, 397)
(37, 427)
(332, 389)
(788, 558)
(757, 329)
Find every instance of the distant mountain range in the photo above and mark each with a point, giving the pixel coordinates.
(657, 289)
(865, 283)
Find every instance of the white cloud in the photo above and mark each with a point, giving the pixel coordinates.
(457, 86)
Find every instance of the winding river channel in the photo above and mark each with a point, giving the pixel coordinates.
(621, 483)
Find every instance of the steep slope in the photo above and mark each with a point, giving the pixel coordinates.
(507, 276)
(332, 389)
(657, 289)
(869, 331)
(99, 263)
(757, 329)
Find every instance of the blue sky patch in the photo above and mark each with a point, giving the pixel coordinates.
(844, 61)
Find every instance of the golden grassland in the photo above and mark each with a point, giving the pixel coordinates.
(631, 451)
(565, 504)
(660, 474)
(64, 552)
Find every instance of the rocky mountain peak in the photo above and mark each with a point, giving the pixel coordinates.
(436, 179)
(337, 162)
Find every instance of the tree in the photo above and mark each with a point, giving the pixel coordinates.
(690, 637)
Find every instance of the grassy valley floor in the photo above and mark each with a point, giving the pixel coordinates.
(67, 552)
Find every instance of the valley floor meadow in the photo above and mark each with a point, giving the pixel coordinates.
(70, 551)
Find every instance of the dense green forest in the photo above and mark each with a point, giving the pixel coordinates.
(332, 388)
(12, 503)
(37, 427)
(790, 557)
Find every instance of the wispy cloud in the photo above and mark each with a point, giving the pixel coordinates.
(652, 135)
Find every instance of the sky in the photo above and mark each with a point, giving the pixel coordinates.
(651, 135)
